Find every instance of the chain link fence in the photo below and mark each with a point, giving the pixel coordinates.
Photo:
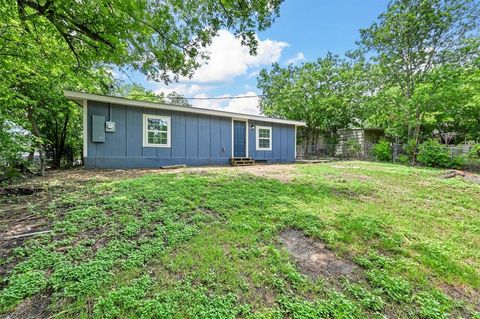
(400, 153)
(340, 151)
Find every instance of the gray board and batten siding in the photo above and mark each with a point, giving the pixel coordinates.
(197, 136)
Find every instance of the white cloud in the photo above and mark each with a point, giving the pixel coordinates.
(246, 106)
(254, 74)
(299, 57)
(241, 105)
(229, 59)
(183, 89)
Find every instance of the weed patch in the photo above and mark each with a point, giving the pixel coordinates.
(352, 241)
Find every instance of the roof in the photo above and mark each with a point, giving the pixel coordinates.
(79, 96)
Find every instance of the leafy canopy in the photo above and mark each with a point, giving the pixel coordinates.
(326, 93)
(160, 38)
(420, 49)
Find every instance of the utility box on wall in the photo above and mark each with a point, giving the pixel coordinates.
(98, 128)
(110, 127)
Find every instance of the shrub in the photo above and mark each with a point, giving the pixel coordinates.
(457, 162)
(383, 151)
(432, 153)
(403, 159)
(352, 148)
(474, 152)
(411, 149)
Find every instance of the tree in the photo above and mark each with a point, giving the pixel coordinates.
(326, 94)
(33, 73)
(138, 92)
(410, 40)
(46, 46)
(159, 38)
(178, 99)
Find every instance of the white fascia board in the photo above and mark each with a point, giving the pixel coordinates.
(172, 107)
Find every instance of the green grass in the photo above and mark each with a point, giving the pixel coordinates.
(206, 246)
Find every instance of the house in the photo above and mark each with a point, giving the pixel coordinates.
(125, 133)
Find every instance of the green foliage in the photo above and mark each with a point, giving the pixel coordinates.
(368, 299)
(21, 286)
(403, 159)
(335, 306)
(14, 143)
(439, 262)
(207, 245)
(49, 46)
(352, 148)
(325, 93)
(396, 288)
(420, 82)
(474, 152)
(432, 153)
(457, 162)
(157, 40)
(433, 305)
(383, 151)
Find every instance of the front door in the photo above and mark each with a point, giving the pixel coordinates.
(239, 138)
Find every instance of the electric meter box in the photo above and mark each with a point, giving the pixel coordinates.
(109, 127)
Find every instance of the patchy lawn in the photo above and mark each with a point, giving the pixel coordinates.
(335, 240)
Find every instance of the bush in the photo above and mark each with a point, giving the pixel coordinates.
(403, 159)
(474, 152)
(457, 162)
(432, 153)
(411, 149)
(352, 148)
(383, 151)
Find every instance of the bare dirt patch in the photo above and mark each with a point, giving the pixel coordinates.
(283, 173)
(314, 259)
(34, 307)
(466, 175)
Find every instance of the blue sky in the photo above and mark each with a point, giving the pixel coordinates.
(305, 31)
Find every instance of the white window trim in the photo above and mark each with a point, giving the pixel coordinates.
(257, 136)
(145, 126)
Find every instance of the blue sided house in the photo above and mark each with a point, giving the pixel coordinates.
(125, 133)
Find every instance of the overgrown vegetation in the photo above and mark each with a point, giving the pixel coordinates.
(383, 151)
(415, 72)
(206, 246)
(48, 46)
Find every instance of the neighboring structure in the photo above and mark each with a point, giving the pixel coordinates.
(125, 133)
(363, 138)
(352, 143)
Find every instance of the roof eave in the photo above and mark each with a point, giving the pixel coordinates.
(172, 107)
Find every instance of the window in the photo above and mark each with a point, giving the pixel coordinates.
(264, 138)
(156, 131)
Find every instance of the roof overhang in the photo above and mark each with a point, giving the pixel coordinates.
(79, 97)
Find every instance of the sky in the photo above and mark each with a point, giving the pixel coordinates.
(305, 31)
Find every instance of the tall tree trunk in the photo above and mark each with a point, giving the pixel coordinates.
(416, 135)
(60, 151)
(307, 134)
(36, 133)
